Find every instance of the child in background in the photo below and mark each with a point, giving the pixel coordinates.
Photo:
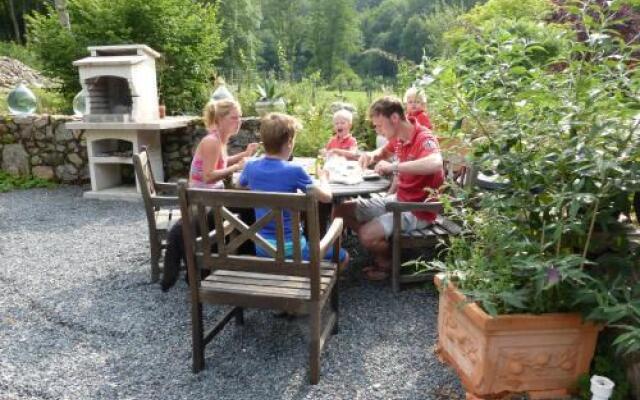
(416, 103)
(273, 173)
(342, 143)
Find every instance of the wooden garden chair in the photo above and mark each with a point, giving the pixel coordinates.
(457, 173)
(240, 281)
(161, 206)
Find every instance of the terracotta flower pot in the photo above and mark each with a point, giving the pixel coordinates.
(542, 355)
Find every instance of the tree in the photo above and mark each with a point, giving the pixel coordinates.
(240, 21)
(284, 26)
(186, 33)
(333, 36)
(63, 14)
(14, 21)
(12, 14)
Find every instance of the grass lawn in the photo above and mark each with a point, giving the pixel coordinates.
(354, 96)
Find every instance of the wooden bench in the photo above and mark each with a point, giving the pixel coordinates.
(289, 284)
(161, 206)
(457, 173)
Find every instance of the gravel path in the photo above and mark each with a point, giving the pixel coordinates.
(80, 320)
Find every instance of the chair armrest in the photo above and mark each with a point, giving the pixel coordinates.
(160, 201)
(333, 233)
(168, 188)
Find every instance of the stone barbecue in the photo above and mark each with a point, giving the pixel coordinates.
(121, 116)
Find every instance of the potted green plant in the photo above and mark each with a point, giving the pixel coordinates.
(546, 261)
(269, 98)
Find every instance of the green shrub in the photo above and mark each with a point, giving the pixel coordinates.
(185, 32)
(21, 53)
(316, 131)
(558, 119)
(10, 182)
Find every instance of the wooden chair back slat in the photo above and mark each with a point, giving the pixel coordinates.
(280, 242)
(219, 226)
(297, 251)
(146, 172)
(313, 232)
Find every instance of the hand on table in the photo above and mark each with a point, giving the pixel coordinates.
(364, 160)
(323, 175)
(384, 167)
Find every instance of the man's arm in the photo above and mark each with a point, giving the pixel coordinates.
(369, 157)
(423, 166)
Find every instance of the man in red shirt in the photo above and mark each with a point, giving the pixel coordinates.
(419, 171)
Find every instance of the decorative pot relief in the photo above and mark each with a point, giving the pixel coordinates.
(544, 364)
(464, 343)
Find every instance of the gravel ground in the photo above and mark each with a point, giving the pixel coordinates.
(79, 319)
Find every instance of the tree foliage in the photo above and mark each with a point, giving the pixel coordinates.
(333, 35)
(240, 21)
(284, 30)
(186, 33)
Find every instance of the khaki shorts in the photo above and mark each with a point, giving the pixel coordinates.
(374, 209)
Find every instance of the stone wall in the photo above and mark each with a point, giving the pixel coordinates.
(41, 146)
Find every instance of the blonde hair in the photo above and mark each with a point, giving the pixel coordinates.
(416, 94)
(218, 109)
(276, 129)
(344, 114)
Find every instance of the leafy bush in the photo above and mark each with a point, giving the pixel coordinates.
(10, 182)
(316, 131)
(558, 121)
(186, 33)
(268, 90)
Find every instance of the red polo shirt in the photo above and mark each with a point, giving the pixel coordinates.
(422, 117)
(346, 143)
(411, 188)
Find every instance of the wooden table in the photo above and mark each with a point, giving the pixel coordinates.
(342, 192)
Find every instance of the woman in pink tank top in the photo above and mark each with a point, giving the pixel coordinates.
(211, 164)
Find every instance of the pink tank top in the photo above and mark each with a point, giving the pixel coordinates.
(196, 175)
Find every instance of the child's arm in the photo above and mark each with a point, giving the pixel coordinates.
(248, 152)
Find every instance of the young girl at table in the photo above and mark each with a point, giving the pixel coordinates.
(416, 103)
(273, 173)
(211, 164)
(209, 167)
(342, 143)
